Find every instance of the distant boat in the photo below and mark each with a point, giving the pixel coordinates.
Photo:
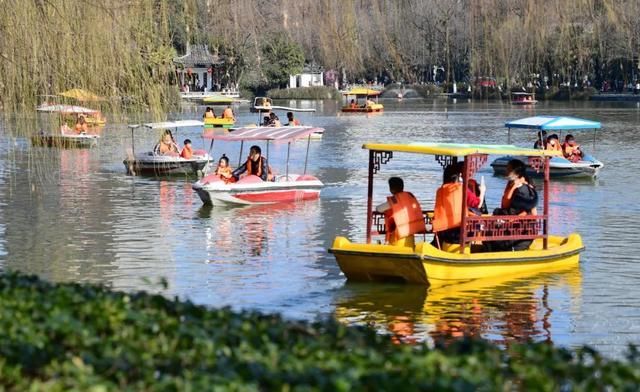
(523, 99)
(361, 101)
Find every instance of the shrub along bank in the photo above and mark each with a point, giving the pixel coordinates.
(72, 336)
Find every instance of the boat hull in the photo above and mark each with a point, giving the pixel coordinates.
(154, 165)
(559, 167)
(254, 191)
(430, 266)
(370, 109)
(65, 141)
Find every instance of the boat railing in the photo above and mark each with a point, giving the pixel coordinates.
(483, 228)
(504, 227)
(379, 227)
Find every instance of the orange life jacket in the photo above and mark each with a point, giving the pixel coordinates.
(186, 152)
(228, 113)
(225, 174)
(553, 145)
(82, 127)
(209, 115)
(295, 123)
(447, 212)
(572, 153)
(404, 217)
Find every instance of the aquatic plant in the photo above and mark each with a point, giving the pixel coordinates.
(83, 337)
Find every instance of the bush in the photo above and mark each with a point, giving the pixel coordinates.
(316, 92)
(72, 336)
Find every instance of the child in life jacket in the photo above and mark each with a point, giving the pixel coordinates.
(224, 170)
(187, 151)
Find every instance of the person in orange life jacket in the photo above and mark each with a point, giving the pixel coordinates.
(541, 143)
(274, 121)
(553, 143)
(447, 216)
(209, 113)
(167, 145)
(224, 170)
(571, 149)
(228, 113)
(402, 215)
(256, 165)
(292, 121)
(187, 151)
(353, 104)
(520, 198)
(81, 125)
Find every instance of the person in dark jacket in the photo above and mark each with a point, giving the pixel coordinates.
(256, 165)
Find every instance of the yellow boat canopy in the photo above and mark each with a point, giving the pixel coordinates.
(461, 150)
(81, 95)
(362, 91)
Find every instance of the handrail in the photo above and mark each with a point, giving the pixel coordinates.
(379, 227)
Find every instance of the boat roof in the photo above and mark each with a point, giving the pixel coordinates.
(460, 150)
(71, 109)
(81, 95)
(362, 91)
(170, 124)
(279, 134)
(268, 108)
(553, 123)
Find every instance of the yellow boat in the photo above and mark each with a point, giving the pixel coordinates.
(218, 122)
(361, 101)
(455, 263)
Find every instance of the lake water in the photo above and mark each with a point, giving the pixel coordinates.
(74, 215)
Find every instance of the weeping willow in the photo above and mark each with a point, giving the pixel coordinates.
(120, 49)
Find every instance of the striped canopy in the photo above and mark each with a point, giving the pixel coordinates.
(280, 134)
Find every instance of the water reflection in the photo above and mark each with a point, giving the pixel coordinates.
(504, 310)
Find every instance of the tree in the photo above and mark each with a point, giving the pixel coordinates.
(282, 57)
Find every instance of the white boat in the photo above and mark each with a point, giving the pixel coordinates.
(521, 98)
(264, 106)
(65, 140)
(588, 166)
(151, 163)
(251, 189)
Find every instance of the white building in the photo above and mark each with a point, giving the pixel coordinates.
(311, 75)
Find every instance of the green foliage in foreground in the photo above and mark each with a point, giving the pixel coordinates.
(71, 336)
(315, 92)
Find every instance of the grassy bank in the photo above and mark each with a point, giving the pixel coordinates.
(318, 92)
(71, 336)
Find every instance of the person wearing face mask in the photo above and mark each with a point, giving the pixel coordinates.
(256, 165)
(520, 198)
(447, 214)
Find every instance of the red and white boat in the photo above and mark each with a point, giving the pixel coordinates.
(251, 189)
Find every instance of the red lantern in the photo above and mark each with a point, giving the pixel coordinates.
(210, 70)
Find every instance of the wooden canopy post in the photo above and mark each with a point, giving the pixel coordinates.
(370, 196)
(288, 151)
(465, 185)
(240, 157)
(545, 225)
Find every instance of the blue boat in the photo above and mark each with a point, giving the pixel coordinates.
(587, 167)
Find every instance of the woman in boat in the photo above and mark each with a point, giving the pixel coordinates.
(228, 113)
(209, 113)
(541, 143)
(224, 170)
(274, 121)
(520, 198)
(292, 121)
(167, 145)
(256, 165)
(447, 214)
(402, 215)
(553, 143)
(81, 125)
(571, 149)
